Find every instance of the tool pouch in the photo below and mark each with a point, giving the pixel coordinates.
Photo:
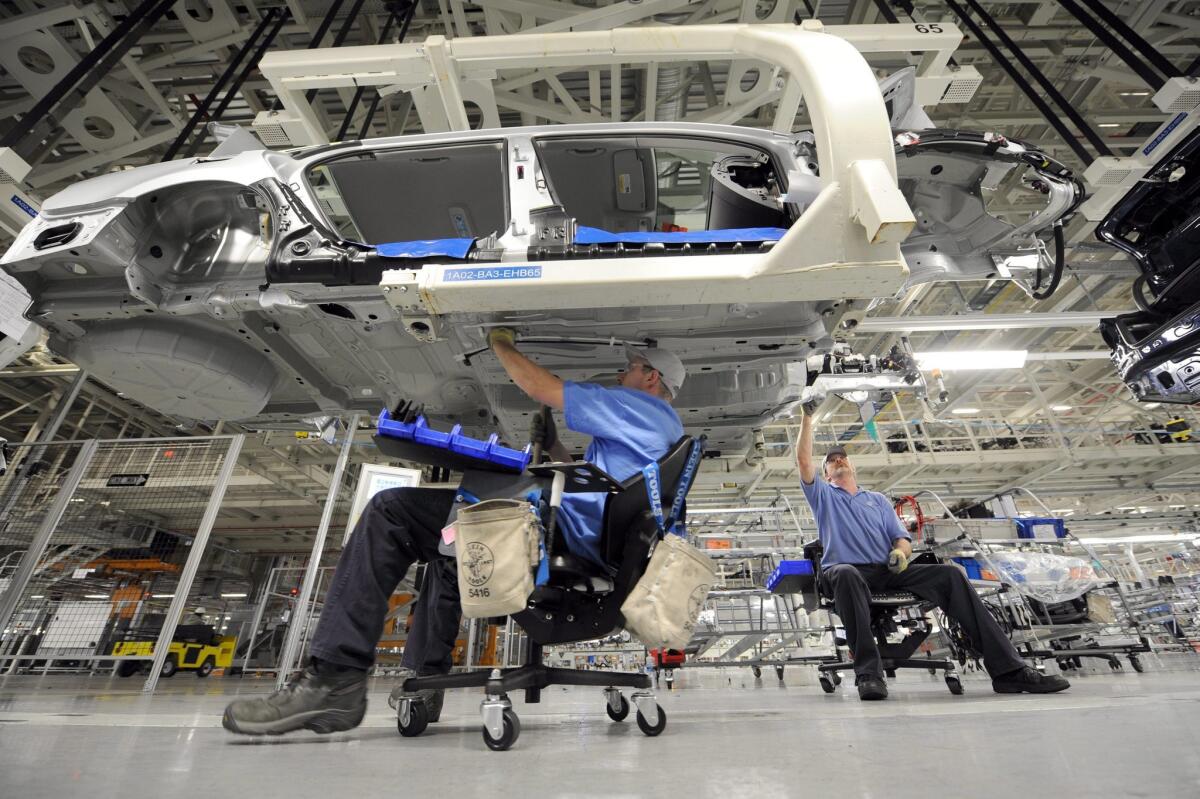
(662, 609)
(496, 543)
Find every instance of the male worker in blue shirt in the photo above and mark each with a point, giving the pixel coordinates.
(866, 549)
(632, 425)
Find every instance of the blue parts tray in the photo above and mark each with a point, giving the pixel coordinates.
(791, 577)
(417, 441)
(1030, 527)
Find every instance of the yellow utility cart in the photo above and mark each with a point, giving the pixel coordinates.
(185, 655)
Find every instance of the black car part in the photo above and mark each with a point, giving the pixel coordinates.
(1157, 348)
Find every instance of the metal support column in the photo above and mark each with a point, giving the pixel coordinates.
(264, 596)
(291, 648)
(20, 579)
(199, 545)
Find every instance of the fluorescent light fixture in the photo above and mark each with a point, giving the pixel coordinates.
(233, 596)
(95, 596)
(1060, 407)
(1134, 94)
(964, 411)
(38, 596)
(1147, 538)
(964, 360)
(1150, 405)
(1109, 125)
(163, 596)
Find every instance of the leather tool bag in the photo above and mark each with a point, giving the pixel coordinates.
(662, 609)
(497, 547)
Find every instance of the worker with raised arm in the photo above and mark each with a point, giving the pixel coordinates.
(632, 424)
(866, 549)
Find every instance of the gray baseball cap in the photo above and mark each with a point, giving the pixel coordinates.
(665, 362)
(836, 450)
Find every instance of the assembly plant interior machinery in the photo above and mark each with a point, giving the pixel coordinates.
(264, 263)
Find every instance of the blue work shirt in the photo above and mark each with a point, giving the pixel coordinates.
(629, 429)
(854, 528)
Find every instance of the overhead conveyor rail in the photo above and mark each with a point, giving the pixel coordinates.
(858, 218)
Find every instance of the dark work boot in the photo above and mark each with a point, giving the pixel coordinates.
(870, 687)
(432, 697)
(323, 698)
(1028, 681)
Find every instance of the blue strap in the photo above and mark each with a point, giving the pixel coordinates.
(543, 569)
(591, 235)
(467, 497)
(686, 478)
(426, 248)
(653, 482)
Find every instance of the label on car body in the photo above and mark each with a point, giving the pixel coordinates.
(24, 206)
(1153, 145)
(523, 272)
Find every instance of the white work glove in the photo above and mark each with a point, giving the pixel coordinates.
(897, 561)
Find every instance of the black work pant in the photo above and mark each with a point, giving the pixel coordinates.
(945, 585)
(398, 527)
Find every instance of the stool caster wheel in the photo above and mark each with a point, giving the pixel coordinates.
(649, 729)
(757, 672)
(954, 684)
(1136, 662)
(412, 717)
(512, 731)
(827, 685)
(779, 672)
(622, 711)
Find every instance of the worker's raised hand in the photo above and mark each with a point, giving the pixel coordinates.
(810, 400)
(501, 334)
(897, 561)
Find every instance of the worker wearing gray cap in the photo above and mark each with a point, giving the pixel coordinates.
(866, 549)
(631, 424)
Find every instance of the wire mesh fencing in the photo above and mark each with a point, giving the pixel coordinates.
(110, 576)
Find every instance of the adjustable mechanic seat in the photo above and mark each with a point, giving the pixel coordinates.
(886, 607)
(580, 601)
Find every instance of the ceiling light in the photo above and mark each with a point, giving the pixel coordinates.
(1135, 94)
(1148, 538)
(233, 596)
(95, 596)
(1109, 125)
(163, 596)
(965, 410)
(964, 360)
(1060, 407)
(1151, 405)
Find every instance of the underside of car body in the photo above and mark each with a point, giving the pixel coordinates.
(266, 287)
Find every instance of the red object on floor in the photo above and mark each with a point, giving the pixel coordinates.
(669, 658)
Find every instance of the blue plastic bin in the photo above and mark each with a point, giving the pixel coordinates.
(973, 567)
(1030, 527)
(420, 432)
(790, 577)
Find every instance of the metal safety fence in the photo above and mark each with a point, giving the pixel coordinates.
(101, 542)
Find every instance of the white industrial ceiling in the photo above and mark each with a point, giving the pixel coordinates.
(1063, 425)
